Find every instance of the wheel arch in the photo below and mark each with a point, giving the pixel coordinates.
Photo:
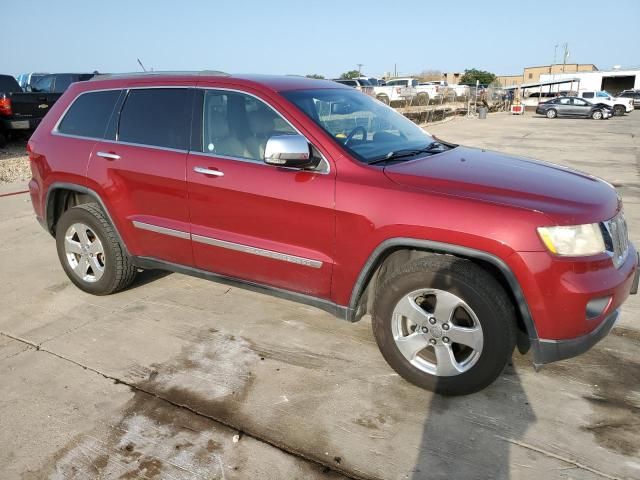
(62, 195)
(395, 251)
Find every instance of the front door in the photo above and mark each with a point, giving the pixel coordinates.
(249, 220)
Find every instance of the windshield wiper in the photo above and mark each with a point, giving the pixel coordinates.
(406, 152)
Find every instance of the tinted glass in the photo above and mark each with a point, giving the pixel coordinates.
(239, 125)
(9, 84)
(62, 82)
(587, 94)
(159, 117)
(89, 114)
(43, 85)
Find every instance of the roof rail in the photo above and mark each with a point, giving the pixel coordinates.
(103, 76)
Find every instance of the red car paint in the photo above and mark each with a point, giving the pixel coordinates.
(464, 197)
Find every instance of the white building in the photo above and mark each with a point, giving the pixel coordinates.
(613, 81)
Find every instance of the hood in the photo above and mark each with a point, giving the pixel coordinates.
(567, 196)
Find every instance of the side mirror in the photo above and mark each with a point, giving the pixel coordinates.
(292, 151)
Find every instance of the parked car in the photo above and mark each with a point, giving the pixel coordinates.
(632, 94)
(458, 253)
(26, 80)
(372, 80)
(419, 93)
(574, 107)
(620, 105)
(23, 111)
(361, 84)
(393, 91)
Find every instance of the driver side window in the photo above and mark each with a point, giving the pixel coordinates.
(239, 125)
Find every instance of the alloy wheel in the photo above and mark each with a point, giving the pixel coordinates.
(84, 252)
(437, 332)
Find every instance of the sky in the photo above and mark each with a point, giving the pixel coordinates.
(326, 37)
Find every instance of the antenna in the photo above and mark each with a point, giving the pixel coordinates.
(141, 65)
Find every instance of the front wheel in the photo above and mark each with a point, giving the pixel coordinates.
(444, 324)
(90, 252)
(619, 110)
(597, 115)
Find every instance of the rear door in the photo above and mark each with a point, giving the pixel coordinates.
(140, 172)
(564, 107)
(249, 220)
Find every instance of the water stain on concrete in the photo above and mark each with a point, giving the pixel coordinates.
(615, 381)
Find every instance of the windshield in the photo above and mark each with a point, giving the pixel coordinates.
(603, 94)
(364, 126)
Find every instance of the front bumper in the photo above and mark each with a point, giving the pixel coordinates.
(551, 350)
(547, 351)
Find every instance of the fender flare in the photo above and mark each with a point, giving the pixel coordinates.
(439, 247)
(74, 187)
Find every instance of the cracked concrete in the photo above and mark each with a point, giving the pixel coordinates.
(156, 381)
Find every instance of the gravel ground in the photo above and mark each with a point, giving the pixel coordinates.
(14, 162)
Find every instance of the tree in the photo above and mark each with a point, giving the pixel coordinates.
(350, 74)
(473, 74)
(315, 75)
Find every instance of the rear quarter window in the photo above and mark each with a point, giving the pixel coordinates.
(89, 114)
(9, 84)
(158, 117)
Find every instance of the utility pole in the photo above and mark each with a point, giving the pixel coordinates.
(360, 65)
(565, 56)
(395, 69)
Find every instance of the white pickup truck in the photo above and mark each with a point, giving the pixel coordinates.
(620, 105)
(408, 90)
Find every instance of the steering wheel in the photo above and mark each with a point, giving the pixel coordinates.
(353, 132)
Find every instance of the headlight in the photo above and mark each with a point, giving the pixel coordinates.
(574, 241)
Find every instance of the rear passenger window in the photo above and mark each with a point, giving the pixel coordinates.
(587, 95)
(89, 114)
(158, 117)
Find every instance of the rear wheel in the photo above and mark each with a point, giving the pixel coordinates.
(423, 99)
(597, 115)
(551, 113)
(619, 110)
(444, 324)
(90, 253)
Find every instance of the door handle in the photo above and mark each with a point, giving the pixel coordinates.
(108, 156)
(208, 171)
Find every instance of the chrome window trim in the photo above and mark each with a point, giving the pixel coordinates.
(324, 168)
(238, 247)
(165, 231)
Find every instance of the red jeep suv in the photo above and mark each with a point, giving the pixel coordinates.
(315, 192)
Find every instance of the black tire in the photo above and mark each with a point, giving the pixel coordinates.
(3, 139)
(551, 113)
(597, 115)
(479, 290)
(384, 99)
(119, 272)
(619, 110)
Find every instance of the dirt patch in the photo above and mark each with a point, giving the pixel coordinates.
(14, 162)
(615, 380)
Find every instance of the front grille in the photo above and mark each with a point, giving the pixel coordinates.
(616, 238)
